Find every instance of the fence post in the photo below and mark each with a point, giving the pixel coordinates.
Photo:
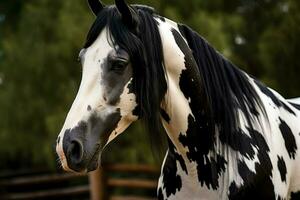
(97, 184)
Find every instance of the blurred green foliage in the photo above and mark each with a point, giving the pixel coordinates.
(39, 73)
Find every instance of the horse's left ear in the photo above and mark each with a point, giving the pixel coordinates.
(129, 16)
(96, 6)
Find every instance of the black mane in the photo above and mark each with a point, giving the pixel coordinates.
(144, 47)
(224, 90)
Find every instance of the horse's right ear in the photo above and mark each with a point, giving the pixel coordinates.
(128, 15)
(96, 6)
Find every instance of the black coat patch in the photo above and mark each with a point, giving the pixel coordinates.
(280, 198)
(177, 156)
(242, 143)
(295, 195)
(272, 96)
(171, 180)
(244, 171)
(161, 18)
(289, 139)
(89, 108)
(165, 115)
(160, 195)
(209, 168)
(297, 106)
(282, 168)
(258, 184)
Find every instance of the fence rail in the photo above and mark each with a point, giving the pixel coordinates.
(38, 179)
(49, 194)
(54, 186)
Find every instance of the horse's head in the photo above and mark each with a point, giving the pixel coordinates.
(112, 92)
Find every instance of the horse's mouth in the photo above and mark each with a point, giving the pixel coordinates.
(87, 164)
(94, 161)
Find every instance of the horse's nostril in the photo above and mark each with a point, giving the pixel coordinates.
(75, 151)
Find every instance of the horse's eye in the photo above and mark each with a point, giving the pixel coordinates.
(118, 65)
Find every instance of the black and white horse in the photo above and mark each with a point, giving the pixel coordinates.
(230, 137)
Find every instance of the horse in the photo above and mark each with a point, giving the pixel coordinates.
(229, 136)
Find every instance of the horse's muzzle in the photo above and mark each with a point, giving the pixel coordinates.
(82, 144)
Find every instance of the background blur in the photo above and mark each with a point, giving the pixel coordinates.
(39, 73)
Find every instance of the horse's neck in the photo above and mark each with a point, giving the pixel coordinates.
(177, 106)
(184, 84)
(185, 150)
(192, 142)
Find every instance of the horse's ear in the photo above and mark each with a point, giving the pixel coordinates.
(96, 6)
(129, 16)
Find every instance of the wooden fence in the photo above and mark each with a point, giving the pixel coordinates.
(97, 186)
